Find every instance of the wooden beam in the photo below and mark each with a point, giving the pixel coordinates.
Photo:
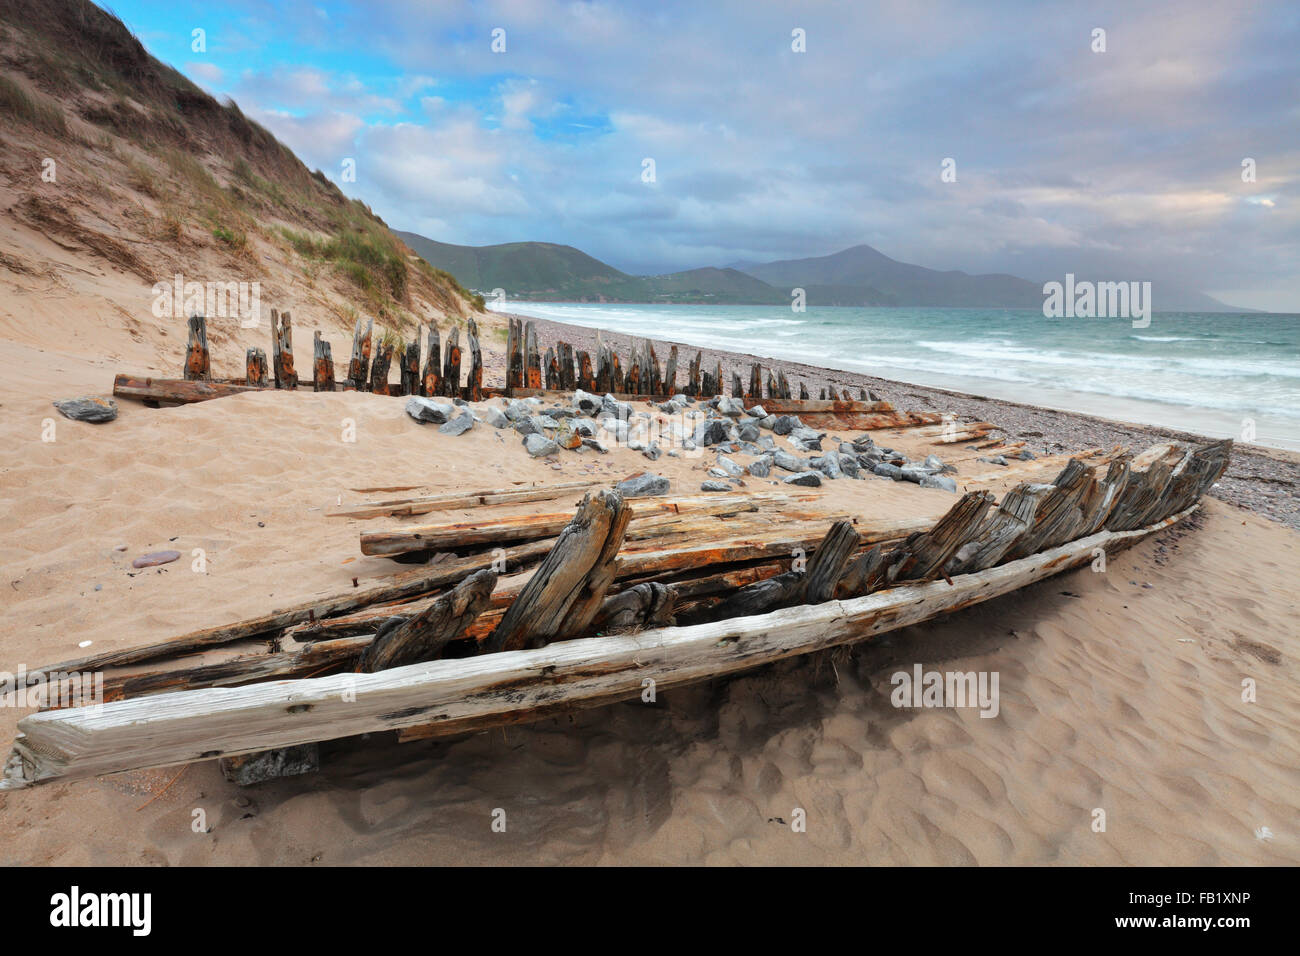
(175, 390)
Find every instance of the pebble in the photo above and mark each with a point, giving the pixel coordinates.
(155, 558)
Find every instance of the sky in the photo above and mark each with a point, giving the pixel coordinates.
(486, 122)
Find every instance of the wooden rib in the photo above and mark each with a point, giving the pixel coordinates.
(423, 636)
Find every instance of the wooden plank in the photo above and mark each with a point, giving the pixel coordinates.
(530, 527)
(447, 502)
(168, 729)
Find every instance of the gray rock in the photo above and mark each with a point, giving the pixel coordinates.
(616, 408)
(933, 462)
(495, 417)
(729, 466)
(715, 486)
(806, 444)
(1026, 455)
(730, 406)
(586, 403)
(711, 432)
(594, 445)
(749, 433)
(584, 426)
(787, 462)
(539, 446)
(458, 425)
(938, 481)
(914, 473)
(760, 467)
(995, 460)
(810, 478)
(88, 408)
(427, 410)
(653, 451)
(518, 410)
(643, 485)
(768, 422)
(786, 424)
(849, 464)
(886, 470)
(719, 473)
(682, 399)
(828, 464)
(758, 411)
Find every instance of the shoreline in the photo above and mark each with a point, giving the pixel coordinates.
(1260, 478)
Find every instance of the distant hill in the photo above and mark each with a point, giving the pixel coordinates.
(544, 271)
(859, 269)
(859, 276)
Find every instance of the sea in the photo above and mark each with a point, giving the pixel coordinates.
(1225, 375)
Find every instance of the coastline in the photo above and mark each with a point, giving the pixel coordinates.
(1260, 478)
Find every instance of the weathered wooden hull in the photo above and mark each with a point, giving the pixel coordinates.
(455, 696)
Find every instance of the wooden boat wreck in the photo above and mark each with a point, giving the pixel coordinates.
(539, 617)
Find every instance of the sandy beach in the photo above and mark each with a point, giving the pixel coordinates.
(1148, 707)
(1119, 690)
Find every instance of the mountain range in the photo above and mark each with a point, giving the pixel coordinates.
(858, 276)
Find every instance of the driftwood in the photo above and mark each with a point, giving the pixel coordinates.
(359, 365)
(422, 637)
(198, 367)
(322, 365)
(565, 592)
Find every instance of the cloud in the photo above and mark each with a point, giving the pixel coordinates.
(1067, 159)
